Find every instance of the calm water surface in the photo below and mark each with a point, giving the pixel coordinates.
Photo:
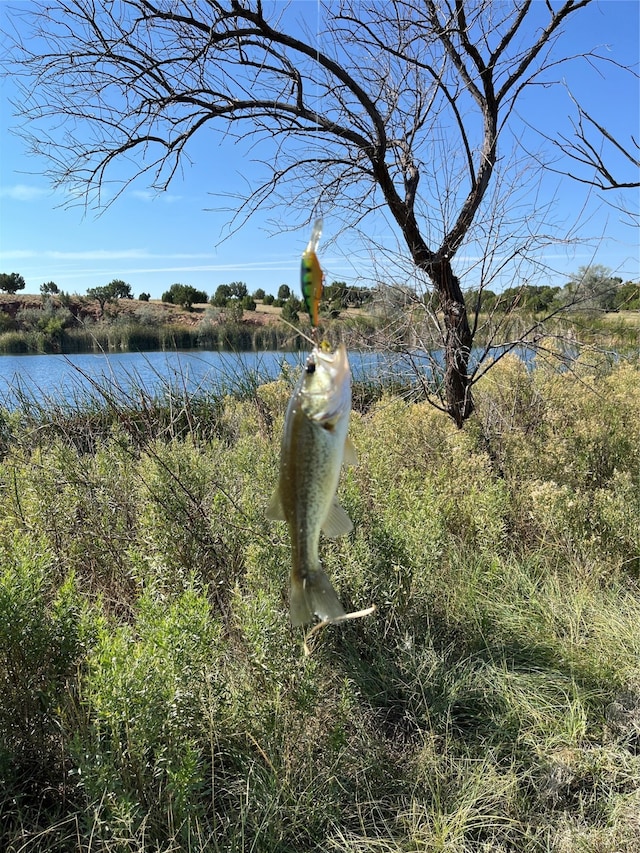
(70, 377)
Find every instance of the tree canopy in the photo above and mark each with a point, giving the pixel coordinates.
(116, 289)
(12, 282)
(119, 289)
(184, 295)
(224, 293)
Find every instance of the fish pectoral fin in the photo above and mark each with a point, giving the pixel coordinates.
(350, 455)
(337, 522)
(275, 512)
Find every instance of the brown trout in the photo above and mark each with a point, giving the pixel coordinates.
(314, 447)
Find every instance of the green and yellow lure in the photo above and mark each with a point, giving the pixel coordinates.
(311, 275)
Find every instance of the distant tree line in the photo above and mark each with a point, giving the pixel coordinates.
(591, 288)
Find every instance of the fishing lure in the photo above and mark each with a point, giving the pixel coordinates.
(311, 275)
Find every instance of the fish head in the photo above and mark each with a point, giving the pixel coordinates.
(325, 390)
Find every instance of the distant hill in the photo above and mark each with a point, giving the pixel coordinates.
(19, 308)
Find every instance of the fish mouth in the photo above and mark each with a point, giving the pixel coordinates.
(326, 370)
(326, 389)
(335, 361)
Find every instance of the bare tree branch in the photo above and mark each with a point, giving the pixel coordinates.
(397, 107)
(590, 154)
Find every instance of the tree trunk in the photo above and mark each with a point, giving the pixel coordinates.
(458, 341)
(437, 265)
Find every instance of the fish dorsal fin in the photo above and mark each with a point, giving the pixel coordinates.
(337, 522)
(275, 512)
(350, 455)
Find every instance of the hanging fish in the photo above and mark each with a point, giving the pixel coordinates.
(311, 275)
(314, 447)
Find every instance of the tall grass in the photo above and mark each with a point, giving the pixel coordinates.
(154, 696)
(142, 337)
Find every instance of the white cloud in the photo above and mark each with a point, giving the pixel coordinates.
(17, 254)
(97, 255)
(24, 192)
(149, 196)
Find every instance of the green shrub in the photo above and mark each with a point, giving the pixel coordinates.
(45, 631)
(15, 343)
(146, 760)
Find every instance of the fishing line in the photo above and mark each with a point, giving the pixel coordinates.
(298, 331)
(317, 98)
(317, 207)
(311, 278)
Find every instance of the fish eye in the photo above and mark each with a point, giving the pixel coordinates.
(311, 367)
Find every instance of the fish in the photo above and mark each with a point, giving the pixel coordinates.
(315, 445)
(311, 277)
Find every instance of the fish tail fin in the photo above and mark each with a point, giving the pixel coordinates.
(313, 595)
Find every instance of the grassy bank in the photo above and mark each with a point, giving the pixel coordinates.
(135, 337)
(154, 697)
(36, 325)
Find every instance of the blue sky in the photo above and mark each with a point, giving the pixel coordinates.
(152, 241)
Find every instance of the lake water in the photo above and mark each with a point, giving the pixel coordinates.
(70, 377)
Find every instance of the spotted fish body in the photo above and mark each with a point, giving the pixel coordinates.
(314, 447)
(311, 275)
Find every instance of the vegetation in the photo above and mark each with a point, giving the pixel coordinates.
(291, 308)
(116, 289)
(184, 294)
(592, 288)
(154, 696)
(226, 293)
(12, 282)
(339, 295)
(49, 288)
(388, 318)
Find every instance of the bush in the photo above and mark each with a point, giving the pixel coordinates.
(184, 295)
(7, 323)
(148, 726)
(44, 634)
(16, 342)
(290, 309)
